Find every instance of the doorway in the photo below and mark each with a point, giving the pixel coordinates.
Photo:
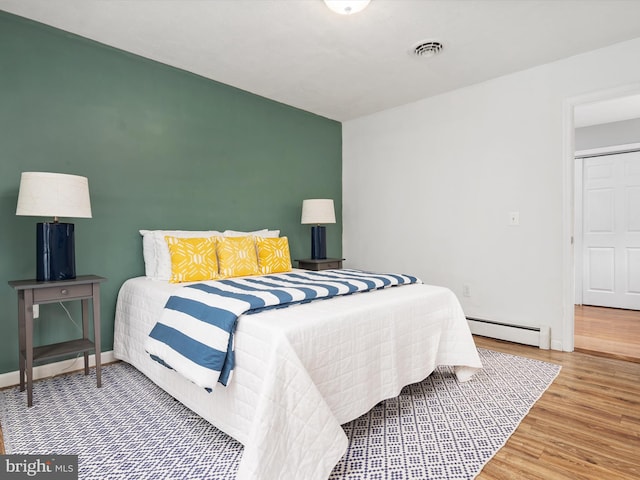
(607, 247)
(607, 269)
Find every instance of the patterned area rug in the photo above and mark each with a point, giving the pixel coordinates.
(130, 429)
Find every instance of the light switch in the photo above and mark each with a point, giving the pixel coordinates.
(514, 219)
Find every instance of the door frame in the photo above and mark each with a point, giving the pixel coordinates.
(568, 201)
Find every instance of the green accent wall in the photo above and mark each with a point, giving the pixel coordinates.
(162, 148)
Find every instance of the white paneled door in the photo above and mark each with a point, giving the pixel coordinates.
(611, 236)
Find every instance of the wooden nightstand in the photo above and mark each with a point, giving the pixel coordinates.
(324, 264)
(32, 292)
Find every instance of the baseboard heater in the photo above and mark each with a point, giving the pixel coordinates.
(536, 336)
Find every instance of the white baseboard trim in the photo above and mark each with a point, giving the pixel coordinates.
(10, 379)
(535, 336)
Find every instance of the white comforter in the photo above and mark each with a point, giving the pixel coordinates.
(303, 371)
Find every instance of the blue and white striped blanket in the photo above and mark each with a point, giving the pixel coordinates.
(194, 334)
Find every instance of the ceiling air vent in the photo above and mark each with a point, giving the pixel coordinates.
(427, 49)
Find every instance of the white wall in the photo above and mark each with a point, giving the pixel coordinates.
(608, 134)
(428, 187)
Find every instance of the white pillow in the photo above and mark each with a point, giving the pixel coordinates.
(264, 233)
(157, 259)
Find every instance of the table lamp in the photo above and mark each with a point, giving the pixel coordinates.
(44, 194)
(316, 211)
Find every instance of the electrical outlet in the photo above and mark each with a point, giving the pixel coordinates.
(466, 290)
(36, 310)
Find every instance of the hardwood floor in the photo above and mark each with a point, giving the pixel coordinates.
(585, 426)
(608, 331)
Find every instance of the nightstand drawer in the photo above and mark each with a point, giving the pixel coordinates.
(61, 293)
(332, 265)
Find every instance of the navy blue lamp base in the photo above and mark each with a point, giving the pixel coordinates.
(55, 252)
(318, 242)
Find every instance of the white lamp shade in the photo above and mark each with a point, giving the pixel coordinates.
(346, 7)
(318, 210)
(44, 194)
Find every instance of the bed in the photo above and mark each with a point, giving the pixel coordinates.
(303, 371)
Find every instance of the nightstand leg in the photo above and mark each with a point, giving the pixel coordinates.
(22, 338)
(85, 332)
(28, 347)
(96, 331)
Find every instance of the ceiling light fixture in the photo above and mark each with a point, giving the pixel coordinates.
(427, 48)
(347, 7)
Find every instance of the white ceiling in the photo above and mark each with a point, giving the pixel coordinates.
(342, 67)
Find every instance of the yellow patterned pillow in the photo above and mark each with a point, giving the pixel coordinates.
(273, 255)
(237, 256)
(192, 259)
